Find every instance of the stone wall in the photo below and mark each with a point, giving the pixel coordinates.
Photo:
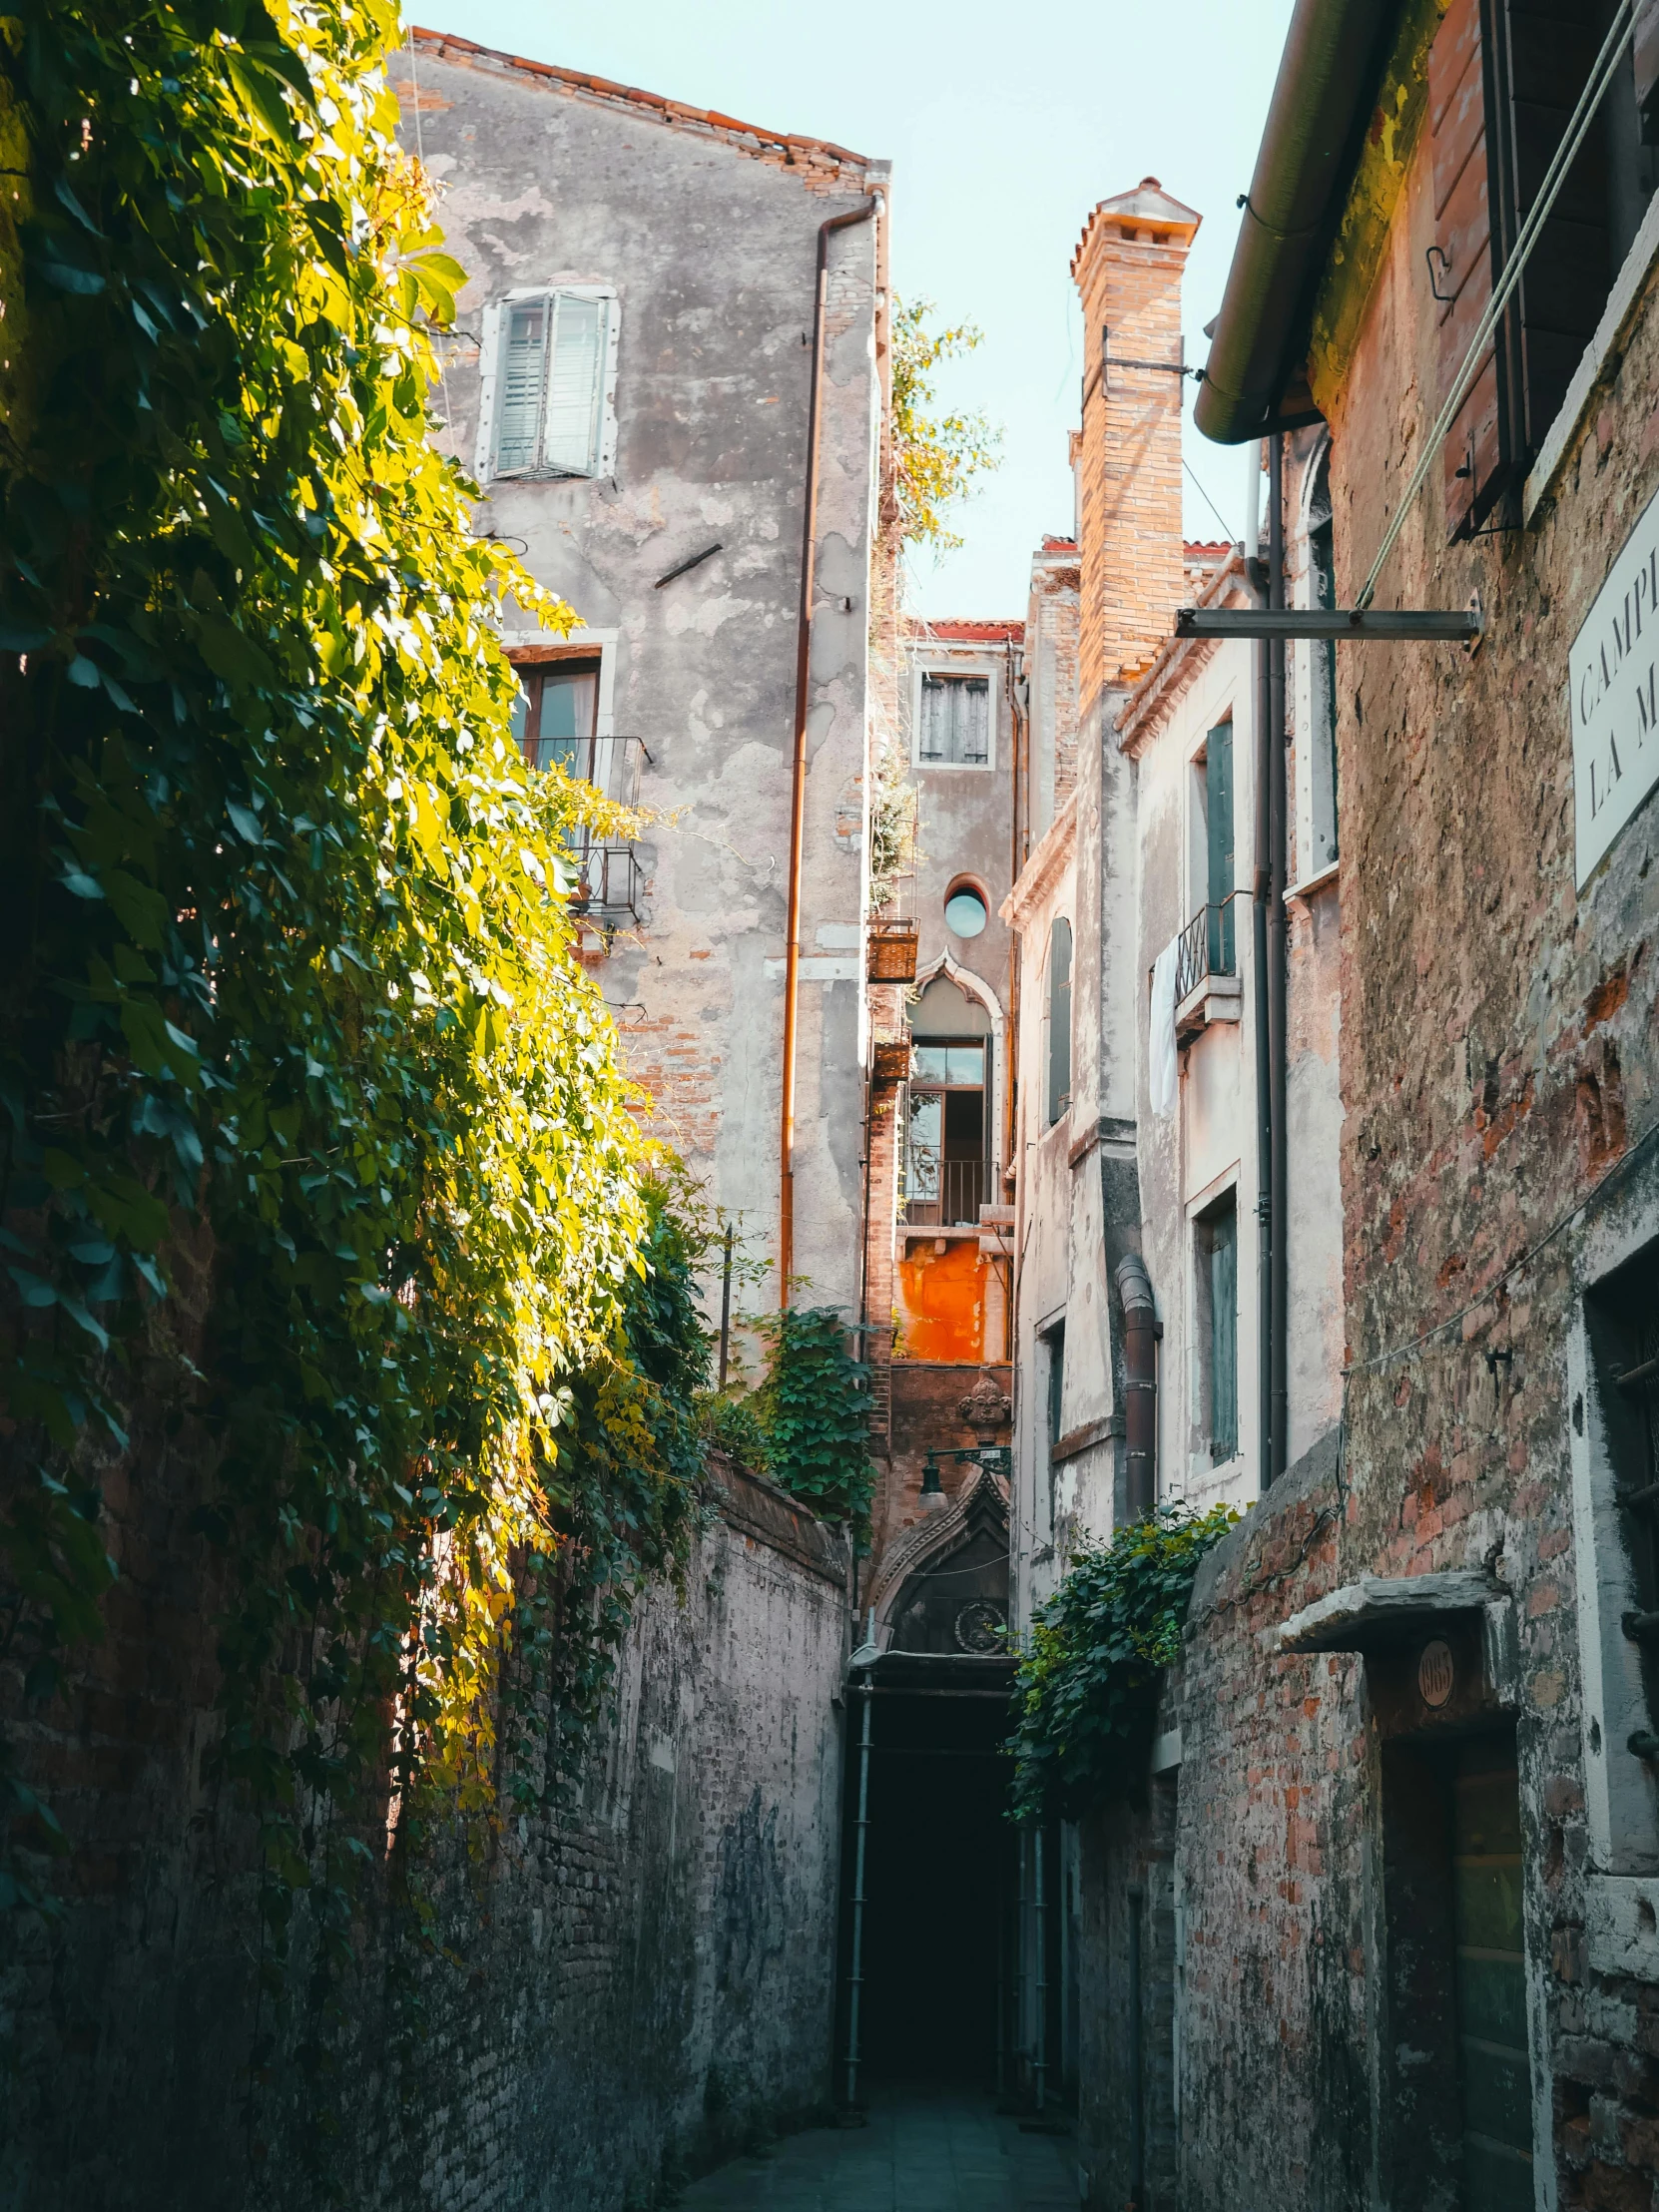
(635, 1986)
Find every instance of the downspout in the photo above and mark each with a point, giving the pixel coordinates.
(1261, 890)
(798, 791)
(1140, 1372)
(1277, 970)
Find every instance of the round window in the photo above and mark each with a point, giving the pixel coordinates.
(964, 913)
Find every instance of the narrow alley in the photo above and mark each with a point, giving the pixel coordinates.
(830, 1344)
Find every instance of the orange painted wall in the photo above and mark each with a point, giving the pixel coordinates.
(941, 1301)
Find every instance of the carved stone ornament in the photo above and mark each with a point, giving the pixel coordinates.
(986, 1409)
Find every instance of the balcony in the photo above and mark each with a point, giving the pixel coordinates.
(609, 885)
(945, 1194)
(1207, 984)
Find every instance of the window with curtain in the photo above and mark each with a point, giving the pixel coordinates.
(1216, 1240)
(1059, 1020)
(550, 399)
(955, 721)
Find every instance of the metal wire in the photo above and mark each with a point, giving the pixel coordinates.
(1601, 76)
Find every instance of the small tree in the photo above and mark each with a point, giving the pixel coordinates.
(936, 458)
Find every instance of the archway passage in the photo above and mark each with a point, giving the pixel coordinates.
(938, 1949)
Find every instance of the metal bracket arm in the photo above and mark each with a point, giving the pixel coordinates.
(1394, 623)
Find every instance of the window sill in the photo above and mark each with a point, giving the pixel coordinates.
(1600, 362)
(1315, 882)
(1216, 999)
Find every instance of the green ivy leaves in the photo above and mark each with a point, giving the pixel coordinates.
(1086, 1688)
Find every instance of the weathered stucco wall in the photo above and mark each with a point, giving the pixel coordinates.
(637, 1985)
(708, 234)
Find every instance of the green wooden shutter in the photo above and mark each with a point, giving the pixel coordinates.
(1218, 781)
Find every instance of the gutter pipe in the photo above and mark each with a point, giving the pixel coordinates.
(1277, 978)
(798, 791)
(1140, 1371)
(1328, 76)
(1261, 889)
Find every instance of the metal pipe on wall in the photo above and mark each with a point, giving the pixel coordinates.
(1040, 2060)
(1140, 1376)
(798, 789)
(1261, 892)
(1277, 976)
(855, 1978)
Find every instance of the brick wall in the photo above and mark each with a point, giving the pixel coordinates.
(1500, 1066)
(636, 1984)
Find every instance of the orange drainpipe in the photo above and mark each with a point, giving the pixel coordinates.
(797, 794)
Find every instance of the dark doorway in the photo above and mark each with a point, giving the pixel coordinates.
(1461, 2103)
(939, 1875)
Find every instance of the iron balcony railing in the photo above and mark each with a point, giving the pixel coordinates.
(1206, 947)
(945, 1194)
(610, 884)
(610, 764)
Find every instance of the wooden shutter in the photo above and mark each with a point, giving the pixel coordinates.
(523, 375)
(575, 383)
(1462, 267)
(1218, 781)
(1543, 54)
(1059, 1020)
(1647, 69)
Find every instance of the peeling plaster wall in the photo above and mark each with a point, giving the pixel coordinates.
(709, 238)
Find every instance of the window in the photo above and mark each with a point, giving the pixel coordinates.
(1624, 1319)
(552, 369)
(947, 1176)
(955, 727)
(1504, 76)
(1322, 702)
(1216, 1255)
(964, 911)
(1054, 1348)
(557, 714)
(1059, 1020)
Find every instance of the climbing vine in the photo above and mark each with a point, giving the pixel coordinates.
(319, 1179)
(813, 1407)
(1086, 1688)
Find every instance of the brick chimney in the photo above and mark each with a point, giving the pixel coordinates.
(1128, 271)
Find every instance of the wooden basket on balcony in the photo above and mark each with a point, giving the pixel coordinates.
(890, 1062)
(892, 953)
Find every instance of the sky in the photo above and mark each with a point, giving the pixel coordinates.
(1004, 130)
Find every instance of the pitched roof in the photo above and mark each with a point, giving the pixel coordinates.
(964, 629)
(749, 138)
(1148, 208)
(1202, 549)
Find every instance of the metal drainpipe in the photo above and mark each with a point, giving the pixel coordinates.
(1040, 2065)
(1261, 892)
(1278, 965)
(855, 1978)
(1140, 1376)
(798, 791)
(1137, 2062)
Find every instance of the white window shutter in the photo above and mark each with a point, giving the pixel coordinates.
(575, 383)
(523, 376)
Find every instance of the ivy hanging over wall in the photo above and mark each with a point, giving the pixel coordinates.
(314, 1138)
(814, 1410)
(1086, 1689)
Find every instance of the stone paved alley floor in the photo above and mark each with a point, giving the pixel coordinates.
(921, 2152)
